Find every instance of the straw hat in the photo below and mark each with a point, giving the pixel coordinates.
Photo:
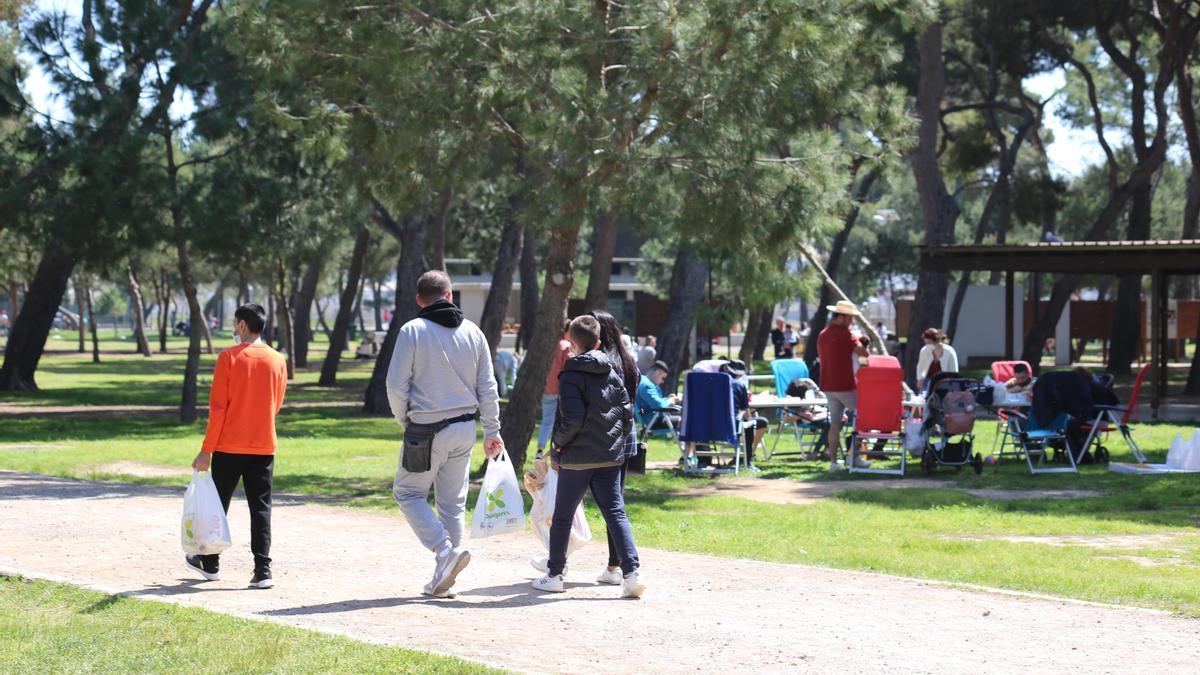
(843, 307)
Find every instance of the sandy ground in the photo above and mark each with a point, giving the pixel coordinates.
(359, 574)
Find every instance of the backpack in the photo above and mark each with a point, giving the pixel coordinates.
(958, 412)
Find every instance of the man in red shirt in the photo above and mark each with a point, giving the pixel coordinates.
(247, 392)
(550, 394)
(836, 350)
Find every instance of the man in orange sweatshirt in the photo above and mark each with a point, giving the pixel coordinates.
(247, 392)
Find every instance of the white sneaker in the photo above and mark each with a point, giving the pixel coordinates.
(428, 590)
(834, 467)
(632, 585)
(549, 584)
(543, 565)
(447, 570)
(610, 576)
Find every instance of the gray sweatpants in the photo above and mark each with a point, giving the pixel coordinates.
(450, 468)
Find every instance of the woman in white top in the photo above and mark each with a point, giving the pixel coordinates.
(937, 356)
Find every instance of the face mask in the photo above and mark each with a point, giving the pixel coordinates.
(237, 339)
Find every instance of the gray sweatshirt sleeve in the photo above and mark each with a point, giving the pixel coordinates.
(485, 388)
(399, 377)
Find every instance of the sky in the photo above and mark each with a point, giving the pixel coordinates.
(1072, 151)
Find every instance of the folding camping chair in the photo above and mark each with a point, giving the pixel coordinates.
(709, 419)
(808, 435)
(1034, 439)
(880, 414)
(1006, 430)
(1106, 422)
(665, 415)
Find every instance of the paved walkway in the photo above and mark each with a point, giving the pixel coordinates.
(359, 574)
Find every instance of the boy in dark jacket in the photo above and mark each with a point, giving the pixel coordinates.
(590, 428)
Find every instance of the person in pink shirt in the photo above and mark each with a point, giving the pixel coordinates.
(550, 394)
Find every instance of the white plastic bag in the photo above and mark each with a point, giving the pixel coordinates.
(915, 437)
(500, 507)
(203, 529)
(542, 514)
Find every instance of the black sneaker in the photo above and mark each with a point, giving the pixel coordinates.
(262, 578)
(199, 563)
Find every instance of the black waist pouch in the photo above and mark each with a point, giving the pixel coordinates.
(418, 447)
(417, 456)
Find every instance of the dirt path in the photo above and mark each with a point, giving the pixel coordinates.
(359, 574)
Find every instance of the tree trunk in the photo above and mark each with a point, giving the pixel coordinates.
(1126, 329)
(687, 289)
(139, 313)
(764, 332)
(358, 307)
(302, 321)
(321, 320)
(517, 420)
(377, 303)
(207, 328)
(938, 208)
(341, 324)
(163, 300)
(408, 270)
(31, 327)
(529, 289)
(14, 300)
(600, 274)
(92, 325)
(437, 252)
(836, 249)
(80, 300)
(243, 288)
(750, 335)
(284, 320)
(1191, 227)
(190, 396)
(507, 258)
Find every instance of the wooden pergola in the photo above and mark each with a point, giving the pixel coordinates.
(1158, 259)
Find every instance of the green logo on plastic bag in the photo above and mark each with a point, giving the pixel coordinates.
(493, 499)
(187, 529)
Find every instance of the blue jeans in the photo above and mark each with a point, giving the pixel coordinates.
(606, 489)
(549, 408)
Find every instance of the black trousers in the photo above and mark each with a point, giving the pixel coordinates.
(256, 473)
(752, 425)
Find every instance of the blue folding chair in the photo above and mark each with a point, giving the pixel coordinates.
(1035, 438)
(809, 436)
(709, 419)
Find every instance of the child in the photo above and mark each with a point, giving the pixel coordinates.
(590, 429)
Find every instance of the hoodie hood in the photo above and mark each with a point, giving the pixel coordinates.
(594, 362)
(443, 313)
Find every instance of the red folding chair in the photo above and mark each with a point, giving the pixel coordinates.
(880, 414)
(1107, 421)
(1007, 429)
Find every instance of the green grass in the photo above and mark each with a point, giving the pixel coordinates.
(942, 533)
(52, 628)
(68, 378)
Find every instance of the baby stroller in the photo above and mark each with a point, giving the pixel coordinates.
(950, 423)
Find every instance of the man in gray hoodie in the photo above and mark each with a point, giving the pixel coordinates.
(439, 381)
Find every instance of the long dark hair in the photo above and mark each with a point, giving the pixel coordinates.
(610, 343)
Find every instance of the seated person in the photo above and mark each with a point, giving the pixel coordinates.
(755, 426)
(368, 348)
(1021, 382)
(816, 417)
(650, 399)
